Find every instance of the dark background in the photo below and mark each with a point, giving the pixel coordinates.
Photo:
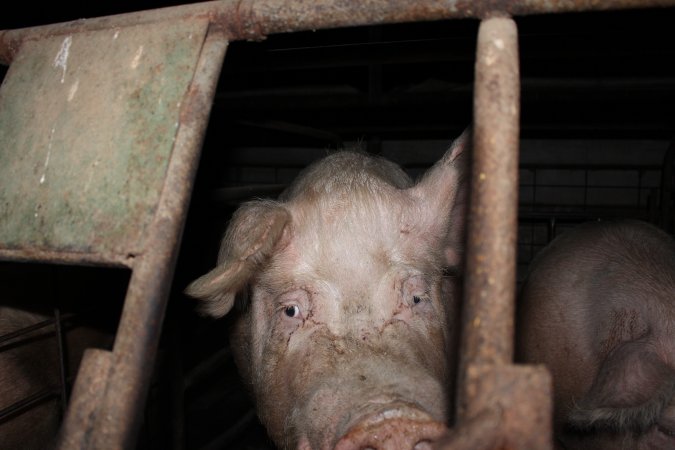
(598, 117)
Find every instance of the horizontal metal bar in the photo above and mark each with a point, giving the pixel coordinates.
(543, 216)
(55, 257)
(255, 19)
(591, 167)
(27, 403)
(23, 331)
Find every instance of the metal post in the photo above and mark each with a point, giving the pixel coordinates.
(499, 404)
(85, 399)
(119, 415)
(493, 216)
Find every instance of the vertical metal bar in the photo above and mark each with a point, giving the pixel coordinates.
(551, 229)
(118, 422)
(499, 404)
(666, 219)
(488, 316)
(177, 387)
(61, 354)
(585, 208)
(86, 396)
(494, 194)
(640, 174)
(176, 382)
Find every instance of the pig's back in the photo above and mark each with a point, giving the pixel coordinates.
(619, 274)
(593, 294)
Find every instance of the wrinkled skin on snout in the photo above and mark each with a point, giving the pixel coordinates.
(345, 336)
(598, 308)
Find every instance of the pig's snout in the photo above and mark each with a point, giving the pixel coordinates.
(394, 429)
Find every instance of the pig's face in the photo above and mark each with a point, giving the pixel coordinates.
(351, 326)
(345, 341)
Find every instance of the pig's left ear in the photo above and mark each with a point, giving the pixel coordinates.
(254, 233)
(443, 196)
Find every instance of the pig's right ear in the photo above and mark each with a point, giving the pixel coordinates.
(255, 232)
(442, 194)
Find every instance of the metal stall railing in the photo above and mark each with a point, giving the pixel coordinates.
(112, 117)
(101, 124)
(24, 335)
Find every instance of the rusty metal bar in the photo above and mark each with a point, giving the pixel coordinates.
(255, 19)
(49, 393)
(61, 354)
(512, 410)
(120, 410)
(499, 404)
(491, 270)
(125, 152)
(27, 403)
(667, 180)
(493, 216)
(68, 258)
(85, 398)
(45, 323)
(277, 16)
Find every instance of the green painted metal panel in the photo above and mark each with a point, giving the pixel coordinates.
(87, 126)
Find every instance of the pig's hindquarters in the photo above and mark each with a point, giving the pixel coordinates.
(588, 315)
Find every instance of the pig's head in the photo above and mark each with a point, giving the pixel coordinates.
(344, 333)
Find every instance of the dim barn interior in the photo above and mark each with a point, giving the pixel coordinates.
(597, 142)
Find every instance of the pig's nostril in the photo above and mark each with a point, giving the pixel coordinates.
(397, 433)
(423, 445)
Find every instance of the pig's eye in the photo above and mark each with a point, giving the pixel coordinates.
(419, 299)
(416, 291)
(293, 305)
(292, 311)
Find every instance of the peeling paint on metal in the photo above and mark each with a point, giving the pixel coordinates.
(113, 129)
(61, 59)
(49, 154)
(73, 90)
(137, 57)
(120, 410)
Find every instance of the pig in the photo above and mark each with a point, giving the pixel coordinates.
(22, 374)
(29, 366)
(598, 309)
(347, 290)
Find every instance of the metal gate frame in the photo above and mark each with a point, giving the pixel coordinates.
(499, 404)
